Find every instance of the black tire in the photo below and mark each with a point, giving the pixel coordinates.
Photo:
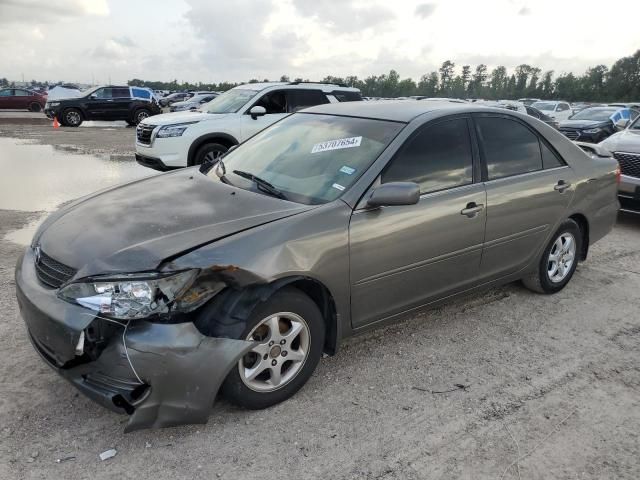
(540, 280)
(71, 117)
(286, 300)
(215, 149)
(139, 115)
(35, 107)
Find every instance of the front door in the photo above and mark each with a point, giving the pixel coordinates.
(528, 191)
(275, 103)
(6, 98)
(98, 103)
(406, 256)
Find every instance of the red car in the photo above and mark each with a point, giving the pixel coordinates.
(22, 99)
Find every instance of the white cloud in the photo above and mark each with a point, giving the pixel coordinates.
(201, 40)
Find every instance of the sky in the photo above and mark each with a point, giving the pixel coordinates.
(97, 41)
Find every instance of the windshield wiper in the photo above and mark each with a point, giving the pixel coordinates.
(262, 184)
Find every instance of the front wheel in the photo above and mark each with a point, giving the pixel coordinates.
(72, 117)
(209, 153)
(289, 333)
(559, 260)
(35, 107)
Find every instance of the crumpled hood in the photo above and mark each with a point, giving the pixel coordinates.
(136, 226)
(625, 141)
(181, 117)
(583, 124)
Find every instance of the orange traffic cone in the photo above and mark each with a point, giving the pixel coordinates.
(56, 124)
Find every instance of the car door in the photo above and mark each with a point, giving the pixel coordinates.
(275, 103)
(402, 257)
(97, 104)
(6, 98)
(528, 188)
(21, 99)
(120, 106)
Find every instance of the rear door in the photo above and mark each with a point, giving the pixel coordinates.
(406, 256)
(120, 106)
(528, 190)
(22, 98)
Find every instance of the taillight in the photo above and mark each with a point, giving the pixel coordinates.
(618, 173)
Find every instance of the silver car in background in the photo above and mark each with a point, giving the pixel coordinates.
(625, 148)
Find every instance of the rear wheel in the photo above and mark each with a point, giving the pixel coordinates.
(289, 333)
(72, 117)
(140, 115)
(35, 107)
(209, 152)
(559, 260)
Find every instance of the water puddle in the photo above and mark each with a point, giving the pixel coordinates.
(38, 178)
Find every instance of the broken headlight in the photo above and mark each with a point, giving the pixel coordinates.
(133, 296)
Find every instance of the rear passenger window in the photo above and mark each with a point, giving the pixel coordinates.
(438, 157)
(549, 158)
(119, 92)
(509, 147)
(305, 98)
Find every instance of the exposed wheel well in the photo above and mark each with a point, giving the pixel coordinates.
(583, 223)
(222, 140)
(323, 299)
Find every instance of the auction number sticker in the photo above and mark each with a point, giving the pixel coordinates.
(338, 144)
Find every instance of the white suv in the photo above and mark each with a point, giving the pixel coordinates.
(556, 110)
(183, 139)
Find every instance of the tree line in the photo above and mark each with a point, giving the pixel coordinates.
(620, 82)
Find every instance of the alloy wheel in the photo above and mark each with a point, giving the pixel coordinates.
(561, 257)
(282, 349)
(212, 156)
(72, 118)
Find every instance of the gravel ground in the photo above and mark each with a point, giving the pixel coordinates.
(553, 389)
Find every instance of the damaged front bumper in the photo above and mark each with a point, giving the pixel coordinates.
(160, 374)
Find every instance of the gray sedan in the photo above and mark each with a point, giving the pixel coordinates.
(153, 296)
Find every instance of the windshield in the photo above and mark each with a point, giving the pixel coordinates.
(546, 106)
(230, 102)
(599, 114)
(311, 159)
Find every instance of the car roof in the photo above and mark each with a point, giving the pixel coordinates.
(393, 110)
(325, 87)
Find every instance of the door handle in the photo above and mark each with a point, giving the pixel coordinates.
(561, 186)
(472, 209)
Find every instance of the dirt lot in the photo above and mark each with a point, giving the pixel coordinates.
(553, 388)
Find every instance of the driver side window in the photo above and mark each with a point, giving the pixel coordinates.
(273, 102)
(103, 93)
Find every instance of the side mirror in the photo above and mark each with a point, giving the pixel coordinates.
(394, 193)
(621, 124)
(257, 111)
(93, 96)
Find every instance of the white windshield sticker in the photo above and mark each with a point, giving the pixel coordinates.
(347, 170)
(338, 186)
(337, 144)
